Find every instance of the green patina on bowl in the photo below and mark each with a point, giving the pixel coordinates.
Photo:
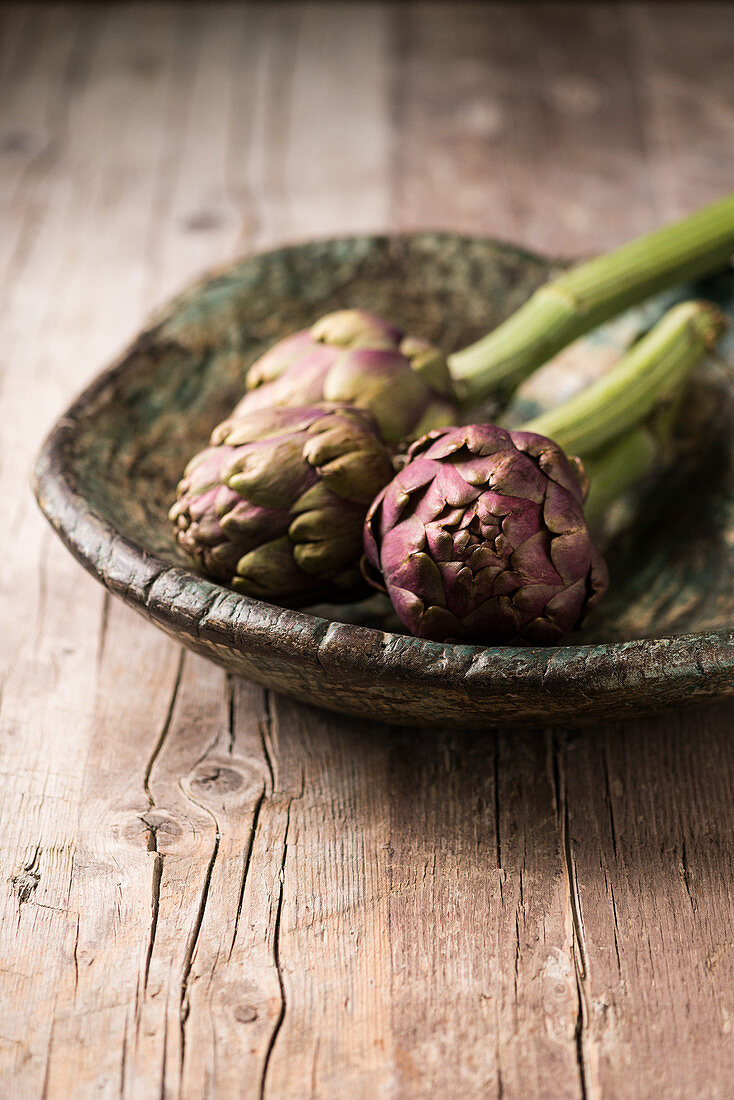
(107, 475)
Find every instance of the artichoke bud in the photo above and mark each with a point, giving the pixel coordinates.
(355, 328)
(481, 538)
(279, 515)
(330, 516)
(428, 363)
(328, 438)
(324, 557)
(439, 414)
(278, 359)
(357, 476)
(273, 476)
(351, 356)
(268, 570)
(318, 496)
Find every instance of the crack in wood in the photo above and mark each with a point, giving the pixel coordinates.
(616, 923)
(516, 966)
(276, 959)
(230, 713)
(610, 804)
(266, 733)
(76, 956)
(497, 834)
(578, 939)
(246, 868)
(686, 876)
(123, 1060)
(314, 1066)
(103, 627)
(192, 942)
(157, 872)
(165, 727)
(49, 1049)
(155, 901)
(25, 883)
(203, 900)
(203, 755)
(164, 1059)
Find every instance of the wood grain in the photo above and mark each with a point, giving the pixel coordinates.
(207, 891)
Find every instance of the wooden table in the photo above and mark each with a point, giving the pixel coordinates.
(211, 891)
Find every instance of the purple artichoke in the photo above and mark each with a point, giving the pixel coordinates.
(355, 357)
(481, 538)
(275, 507)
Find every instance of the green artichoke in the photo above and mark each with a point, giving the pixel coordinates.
(355, 357)
(481, 538)
(275, 506)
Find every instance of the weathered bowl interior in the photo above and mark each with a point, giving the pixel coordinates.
(108, 473)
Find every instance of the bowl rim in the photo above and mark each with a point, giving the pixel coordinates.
(94, 542)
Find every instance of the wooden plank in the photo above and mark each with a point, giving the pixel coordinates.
(510, 128)
(560, 129)
(681, 58)
(233, 998)
(520, 122)
(54, 339)
(40, 62)
(336, 162)
(47, 657)
(648, 805)
(329, 1020)
(334, 947)
(99, 995)
(648, 824)
(213, 893)
(113, 1009)
(483, 989)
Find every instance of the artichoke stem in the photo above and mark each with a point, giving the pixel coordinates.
(619, 468)
(649, 375)
(589, 294)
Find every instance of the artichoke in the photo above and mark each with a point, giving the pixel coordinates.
(355, 357)
(481, 538)
(275, 506)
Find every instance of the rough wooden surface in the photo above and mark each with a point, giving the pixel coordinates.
(209, 891)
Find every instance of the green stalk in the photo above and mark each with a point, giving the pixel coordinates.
(648, 375)
(618, 468)
(582, 298)
(631, 458)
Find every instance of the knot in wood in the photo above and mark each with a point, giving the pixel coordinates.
(217, 777)
(163, 831)
(226, 781)
(244, 1001)
(202, 221)
(24, 884)
(22, 143)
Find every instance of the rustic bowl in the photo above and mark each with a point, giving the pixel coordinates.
(108, 471)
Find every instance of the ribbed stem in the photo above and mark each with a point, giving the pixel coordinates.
(648, 448)
(618, 468)
(584, 297)
(649, 374)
